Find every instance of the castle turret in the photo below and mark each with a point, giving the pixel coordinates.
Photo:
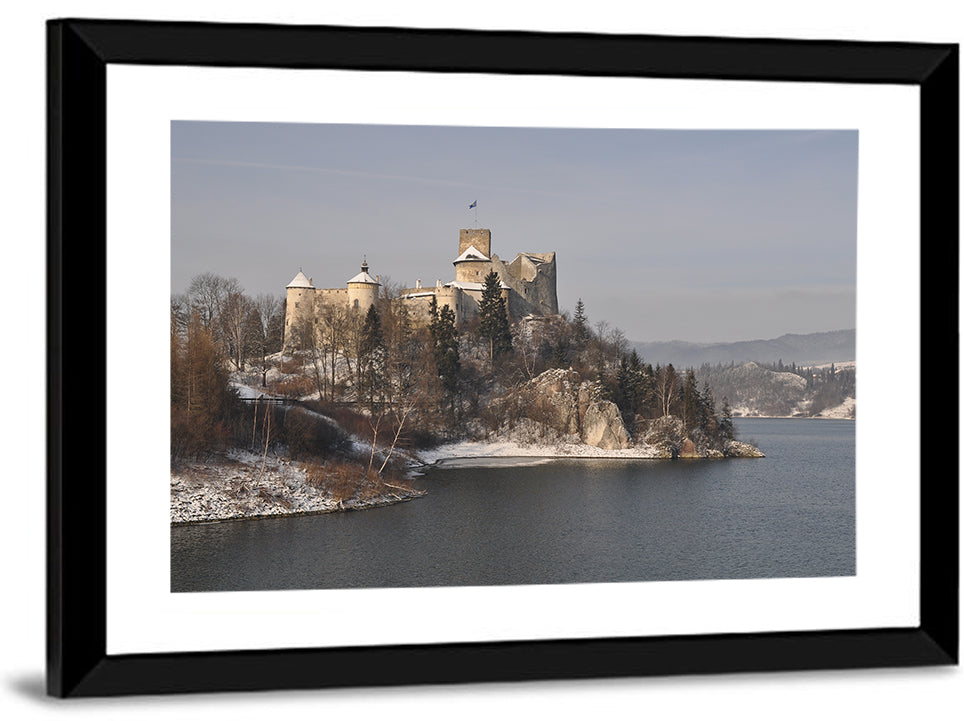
(362, 290)
(299, 302)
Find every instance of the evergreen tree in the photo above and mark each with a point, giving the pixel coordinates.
(709, 422)
(691, 401)
(634, 386)
(371, 359)
(726, 421)
(623, 395)
(445, 345)
(493, 319)
(580, 325)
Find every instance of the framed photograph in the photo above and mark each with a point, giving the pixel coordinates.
(595, 194)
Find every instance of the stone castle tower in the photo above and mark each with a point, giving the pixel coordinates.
(528, 286)
(362, 290)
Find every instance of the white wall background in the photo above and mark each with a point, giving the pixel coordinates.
(888, 694)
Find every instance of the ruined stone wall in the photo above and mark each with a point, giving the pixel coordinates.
(536, 296)
(418, 302)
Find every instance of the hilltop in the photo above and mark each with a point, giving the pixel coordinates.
(342, 414)
(812, 349)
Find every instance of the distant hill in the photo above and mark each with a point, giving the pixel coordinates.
(811, 349)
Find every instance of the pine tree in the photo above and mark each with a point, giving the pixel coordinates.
(692, 412)
(726, 421)
(493, 319)
(623, 396)
(709, 422)
(580, 325)
(445, 345)
(371, 359)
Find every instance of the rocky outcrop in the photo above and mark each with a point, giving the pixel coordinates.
(668, 435)
(602, 426)
(562, 401)
(739, 449)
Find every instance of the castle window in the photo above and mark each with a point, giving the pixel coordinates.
(297, 304)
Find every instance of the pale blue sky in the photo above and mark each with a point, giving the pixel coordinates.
(690, 235)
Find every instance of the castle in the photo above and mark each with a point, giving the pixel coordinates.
(528, 286)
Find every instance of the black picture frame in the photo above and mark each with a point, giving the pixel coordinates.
(79, 52)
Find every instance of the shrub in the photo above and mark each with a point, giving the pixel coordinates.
(290, 366)
(308, 436)
(293, 387)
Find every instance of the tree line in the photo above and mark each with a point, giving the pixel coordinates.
(782, 389)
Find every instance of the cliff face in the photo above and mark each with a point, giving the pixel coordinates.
(562, 401)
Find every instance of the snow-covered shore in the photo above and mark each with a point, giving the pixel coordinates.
(235, 487)
(503, 448)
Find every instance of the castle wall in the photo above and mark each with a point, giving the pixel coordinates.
(309, 301)
(331, 296)
(419, 304)
(472, 271)
(455, 299)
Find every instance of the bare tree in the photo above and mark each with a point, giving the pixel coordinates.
(667, 388)
(332, 331)
(235, 313)
(180, 313)
(207, 294)
(264, 309)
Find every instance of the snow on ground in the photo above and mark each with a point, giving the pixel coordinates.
(485, 452)
(526, 443)
(247, 391)
(247, 485)
(847, 410)
(838, 366)
(236, 487)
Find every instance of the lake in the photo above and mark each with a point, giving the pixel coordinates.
(534, 521)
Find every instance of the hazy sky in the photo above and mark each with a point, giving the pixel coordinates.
(667, 234)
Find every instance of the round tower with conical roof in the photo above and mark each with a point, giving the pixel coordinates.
(299, 302)
(362, 290)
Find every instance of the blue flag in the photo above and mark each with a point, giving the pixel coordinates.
(474, 203)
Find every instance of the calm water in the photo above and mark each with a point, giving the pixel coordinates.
(790, 514)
